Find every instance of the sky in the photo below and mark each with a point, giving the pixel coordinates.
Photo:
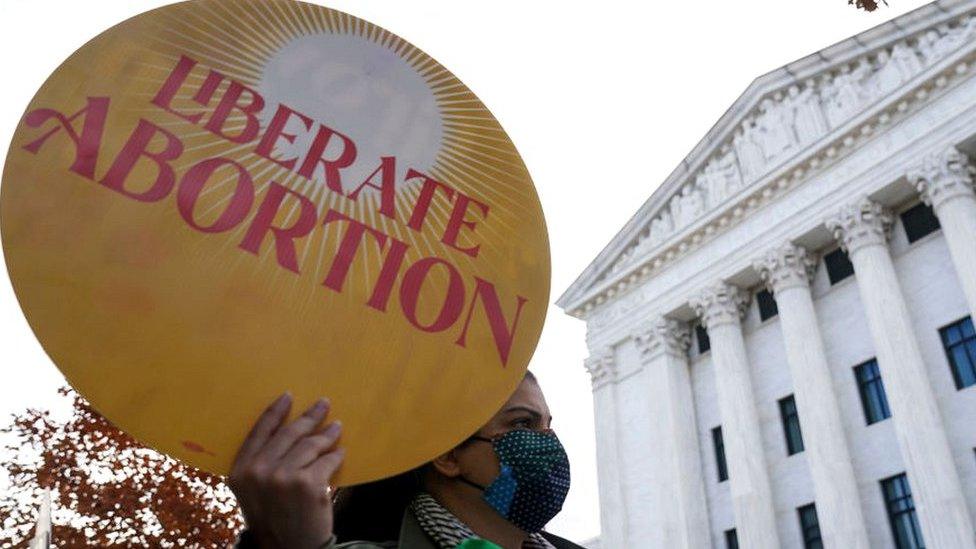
(603, 101)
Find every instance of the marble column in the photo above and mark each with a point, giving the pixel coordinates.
(613, 524)
(787, 271)
(862, 229)
(945, 181)
(721, 307)
(681, 498)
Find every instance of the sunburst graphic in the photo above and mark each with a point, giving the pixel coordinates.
(389, 97)
(180, 334)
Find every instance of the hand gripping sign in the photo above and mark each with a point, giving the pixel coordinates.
(217, 201)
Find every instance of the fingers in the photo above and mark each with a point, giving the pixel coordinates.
(325, 466)
(310, 447)
(306, 482)
(282, 472)
(286, 437)
(263, 429)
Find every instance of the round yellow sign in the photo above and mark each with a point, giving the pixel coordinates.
(218, 201)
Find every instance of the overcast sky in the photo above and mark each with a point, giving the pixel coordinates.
(602, 100)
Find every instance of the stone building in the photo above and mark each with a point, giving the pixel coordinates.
(781, 339)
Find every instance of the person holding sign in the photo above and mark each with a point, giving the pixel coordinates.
(227, 208)
(234, 198)
(498, 488)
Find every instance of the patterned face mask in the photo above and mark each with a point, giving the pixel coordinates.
(534, 479)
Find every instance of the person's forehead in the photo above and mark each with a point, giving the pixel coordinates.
(528, 395)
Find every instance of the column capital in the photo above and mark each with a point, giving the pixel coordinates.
(942, 176)
(860, 224)
(602, 368)
(667, 336)
(786, 266)
(720, 303)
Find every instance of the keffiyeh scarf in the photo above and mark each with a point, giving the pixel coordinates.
(448, 531)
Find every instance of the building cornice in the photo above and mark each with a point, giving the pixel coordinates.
(629, 260)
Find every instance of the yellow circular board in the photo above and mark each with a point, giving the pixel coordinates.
(218, 201)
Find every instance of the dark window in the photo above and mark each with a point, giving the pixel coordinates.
(731, 540)
(919, 221)
(767, 305)
(723, 472)
(901, 512)
(810, 527)
(872, 391)
(702, 336)
(839, 266)
(791, 425)
(959, 340)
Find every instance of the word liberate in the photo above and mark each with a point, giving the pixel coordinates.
(230, 111)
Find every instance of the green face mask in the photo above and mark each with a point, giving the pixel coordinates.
(534, 479)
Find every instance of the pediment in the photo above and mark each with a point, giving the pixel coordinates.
(776, 121)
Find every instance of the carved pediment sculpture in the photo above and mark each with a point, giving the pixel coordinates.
(782, 122)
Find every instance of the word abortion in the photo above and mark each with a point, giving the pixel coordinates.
(329, 152)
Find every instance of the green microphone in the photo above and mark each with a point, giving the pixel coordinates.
(475, 543)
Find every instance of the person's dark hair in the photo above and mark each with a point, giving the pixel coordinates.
(373, 511)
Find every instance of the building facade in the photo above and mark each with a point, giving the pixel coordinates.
(781, 340)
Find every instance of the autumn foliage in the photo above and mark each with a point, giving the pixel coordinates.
(867, 5)
(107, 490)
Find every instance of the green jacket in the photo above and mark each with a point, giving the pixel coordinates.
(412, 536)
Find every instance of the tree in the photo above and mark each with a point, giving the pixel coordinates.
(107, 490)
(866, 5)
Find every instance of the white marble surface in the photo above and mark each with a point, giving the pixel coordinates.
(862, 227)
(944, 179)
(720, 307)
(612, 514)
(704, 226)
(787, 270)
(680, 496)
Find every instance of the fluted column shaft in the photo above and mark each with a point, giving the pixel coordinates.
(721, 307)
(664, 350)
(787, 271)
(862, 228)
(613, 524)
(945, 182)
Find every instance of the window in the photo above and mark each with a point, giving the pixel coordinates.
(919, 221)
(723, 472)
(810, 527)
(872, 391)
(731, 540)
(791, 425)
(959, 340)
(839, 266)
(702, 336)
(767, 305)
(901, 512)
